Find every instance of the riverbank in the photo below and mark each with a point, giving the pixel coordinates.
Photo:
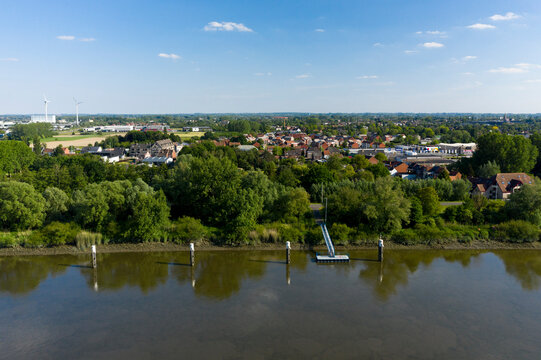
(162, 247)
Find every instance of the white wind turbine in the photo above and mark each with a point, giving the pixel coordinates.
(46, 102)
(77, 103)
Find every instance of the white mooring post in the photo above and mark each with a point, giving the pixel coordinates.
(94, 260)
(380, 250)
(192, 254)
(288, 252)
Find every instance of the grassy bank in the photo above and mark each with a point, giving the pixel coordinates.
(167, 246)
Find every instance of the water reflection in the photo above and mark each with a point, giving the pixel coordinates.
(386, 277)
(22, 275)
(220, 274)
(525, 266)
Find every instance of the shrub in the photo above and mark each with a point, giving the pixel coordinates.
(85, 239)
(264, 234)
(517, 231)
(187, 229)
(54, 234)
(340, 234)
(8, 239)
(293, 234)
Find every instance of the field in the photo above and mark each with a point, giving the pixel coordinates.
(84, 140)
(76, 140)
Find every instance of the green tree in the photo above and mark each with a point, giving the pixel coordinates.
(525, 204)
(56, 203)
(429, 200)
(15, 156)
(21, 206)
(385, 209)
(510, 153)
(381, 157)
(488, 170)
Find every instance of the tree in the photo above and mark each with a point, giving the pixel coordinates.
(385, 208)
(525, 204)
(21, 206)
(488, 170)
(381, 157)
(510, 153)
(15, 156)
(429, 200)
(379, 170)
(444, 175)
(56, 203)
(36, 145)
(359, 162)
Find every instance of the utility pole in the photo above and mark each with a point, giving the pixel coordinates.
(325, 211)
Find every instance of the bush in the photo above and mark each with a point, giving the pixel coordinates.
(516, 231)
(293, 234)
(54, 234)
(264, 234)
(340, 234)
(85, 239)
(187, 229)
(8, 239)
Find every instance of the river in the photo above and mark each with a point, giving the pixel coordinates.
(417, 304)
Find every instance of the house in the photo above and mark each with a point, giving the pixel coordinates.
(161, 145)
(140, 151)
(246, 147)
(373, 161)
(314, 153)
(500, 186)
(398, 168)
(112, 155)
(91, 150)
(157, 160)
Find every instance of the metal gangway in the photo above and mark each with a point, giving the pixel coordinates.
(327, 238)
(331, 257)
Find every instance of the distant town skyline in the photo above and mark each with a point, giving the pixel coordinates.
(138, 57)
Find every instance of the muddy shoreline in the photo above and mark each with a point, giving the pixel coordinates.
(161, 247)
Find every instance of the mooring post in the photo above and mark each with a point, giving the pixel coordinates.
(380, 250)
(288, 252)
(288, 275)
(94, 260)
(192, 254)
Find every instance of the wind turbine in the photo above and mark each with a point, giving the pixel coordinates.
(77, 103)
(46, 102)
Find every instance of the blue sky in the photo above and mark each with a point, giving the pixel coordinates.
(271, 56)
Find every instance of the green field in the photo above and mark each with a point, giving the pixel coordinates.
(68, 138)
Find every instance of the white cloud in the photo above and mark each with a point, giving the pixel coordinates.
(87, 39)
(10, 59)
(410, 52)
(65, 37)
(469, 57)
(468, 73)
(367, 77)
(303, 76)
(226, 26)
(432, 33)
(263, 74)
(509, 70)
(169, 56)
(506, 17)
(532, 81)
(482, 27)
(378, 44)
(432, 45)
(319, 30)
(527, 66)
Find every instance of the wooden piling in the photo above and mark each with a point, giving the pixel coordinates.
(192, 254)
(380, 250)
(288, 252)
(94, 260)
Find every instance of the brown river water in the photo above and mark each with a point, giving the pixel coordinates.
(417, 304)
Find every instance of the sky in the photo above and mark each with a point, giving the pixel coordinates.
(220, 56)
